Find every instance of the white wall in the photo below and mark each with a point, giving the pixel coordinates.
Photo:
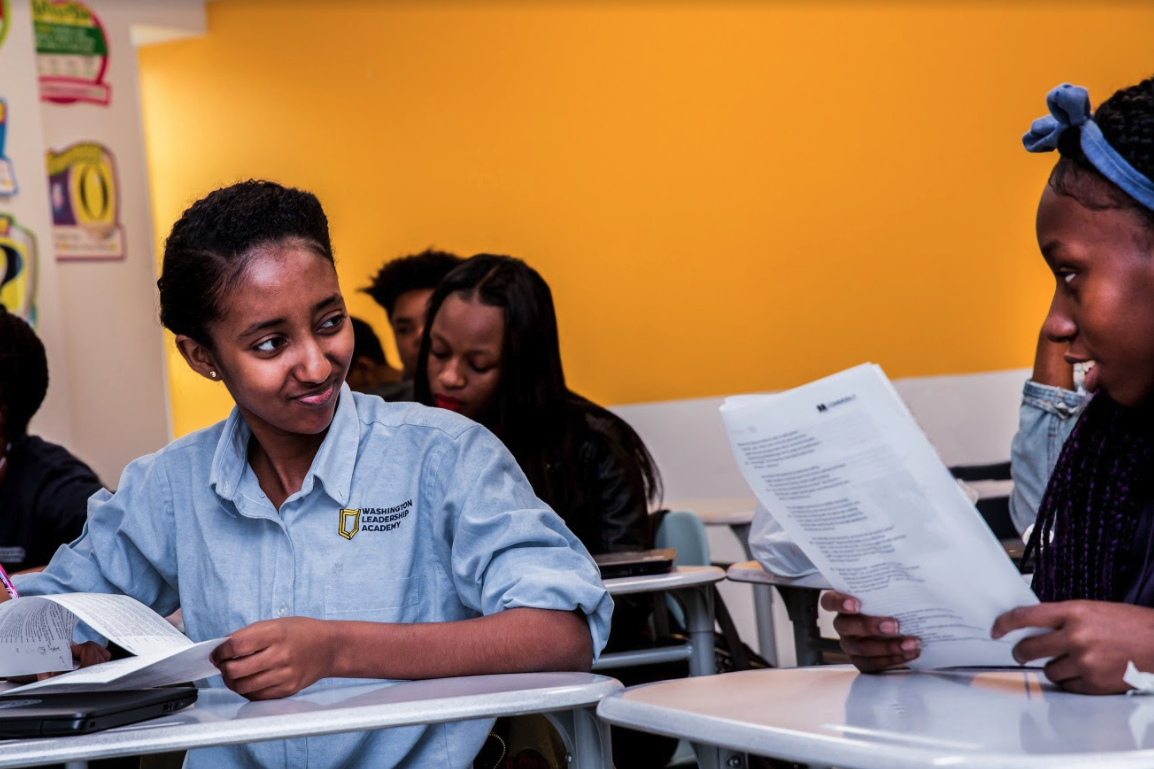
(109, 398)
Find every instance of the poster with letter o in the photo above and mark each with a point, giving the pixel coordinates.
(85, 207)
(71, 53)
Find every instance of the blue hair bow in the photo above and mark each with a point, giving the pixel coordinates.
(1070, 106)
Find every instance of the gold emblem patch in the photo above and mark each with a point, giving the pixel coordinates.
(350, 523)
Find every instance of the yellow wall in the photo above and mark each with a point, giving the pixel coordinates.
(724, 197)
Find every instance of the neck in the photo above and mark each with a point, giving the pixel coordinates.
(281, 462)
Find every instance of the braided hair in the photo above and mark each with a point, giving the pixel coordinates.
(1090, 511)
(23, 374)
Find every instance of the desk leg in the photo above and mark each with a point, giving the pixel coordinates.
(762, 603)
(698, 603)
(586, 738)
(801, 604)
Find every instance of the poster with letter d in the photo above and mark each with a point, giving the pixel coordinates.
(85, 208)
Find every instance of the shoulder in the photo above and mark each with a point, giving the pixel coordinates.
(377, 415)
(39, 452)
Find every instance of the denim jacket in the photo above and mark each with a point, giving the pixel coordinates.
(1045, 420)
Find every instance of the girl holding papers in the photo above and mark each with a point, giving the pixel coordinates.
(330, 535)
(1093, 543)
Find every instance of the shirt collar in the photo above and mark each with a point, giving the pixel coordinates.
(332, 466)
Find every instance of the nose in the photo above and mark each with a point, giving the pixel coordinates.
(450, 375)
(1059, 325)
(313, 366)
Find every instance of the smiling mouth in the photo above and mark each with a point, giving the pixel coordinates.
(319, 397)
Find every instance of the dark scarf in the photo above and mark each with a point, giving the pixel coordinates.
(1092, 506)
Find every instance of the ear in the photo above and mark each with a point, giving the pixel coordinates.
(198, 357)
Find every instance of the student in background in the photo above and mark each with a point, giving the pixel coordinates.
(330, 535)
(403, 287)
(1094, 538)
(492, 353)
(44, 490)
(370, 368)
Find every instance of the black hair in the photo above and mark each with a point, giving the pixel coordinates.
(215, 239)
(534, 413)
(1127, 123)
(409, 273)
(365, 342)
(1089, 514)
(23, 374)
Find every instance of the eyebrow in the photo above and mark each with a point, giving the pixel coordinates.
(1048, 249)
(261, 325)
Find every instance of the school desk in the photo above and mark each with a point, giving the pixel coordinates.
(737, 514)
(834, 716)
(221, 717)
(693, 587)
(800, 596)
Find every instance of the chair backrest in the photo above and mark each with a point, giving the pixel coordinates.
(684, 531)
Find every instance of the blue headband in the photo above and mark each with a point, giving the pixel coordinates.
(1070, 106)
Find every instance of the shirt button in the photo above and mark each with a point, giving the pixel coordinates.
(282, 610)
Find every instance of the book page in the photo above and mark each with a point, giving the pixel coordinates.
(124, 620)
(190, 663)
(842, 465)
(35, 637)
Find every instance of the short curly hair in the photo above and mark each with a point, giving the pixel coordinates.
(23, 374)
(409, 273)
(214, 240)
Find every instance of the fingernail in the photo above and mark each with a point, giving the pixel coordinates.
(910, 645)
(849, 604)
(889, 626)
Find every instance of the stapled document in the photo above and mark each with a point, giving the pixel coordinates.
(845, 469)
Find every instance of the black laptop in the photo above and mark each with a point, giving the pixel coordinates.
(55, 714)
(636, 563)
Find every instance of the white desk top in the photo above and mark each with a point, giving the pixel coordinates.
(221, 717)
(752, 571)
(900, 720)
(718, 511)
(680, 577)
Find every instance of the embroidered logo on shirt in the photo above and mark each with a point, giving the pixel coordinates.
(350, 523)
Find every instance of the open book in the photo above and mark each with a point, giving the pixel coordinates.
(844, 468)
(36, 635)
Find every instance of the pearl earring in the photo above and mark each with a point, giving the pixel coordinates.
(212, 374)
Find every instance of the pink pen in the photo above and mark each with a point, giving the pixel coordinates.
(8, 583)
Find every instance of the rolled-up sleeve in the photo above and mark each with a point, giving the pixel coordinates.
(509, 549)
(1045, 420)
(126, 536)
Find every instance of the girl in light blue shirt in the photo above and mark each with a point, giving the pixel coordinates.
(332, 536)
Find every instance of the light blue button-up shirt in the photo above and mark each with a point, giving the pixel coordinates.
(408, 514)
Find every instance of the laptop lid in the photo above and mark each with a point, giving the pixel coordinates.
(61, 713)
(635, 563)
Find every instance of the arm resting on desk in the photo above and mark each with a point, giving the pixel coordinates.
(278, 658)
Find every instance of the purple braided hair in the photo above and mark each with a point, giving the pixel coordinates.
(1092, 505)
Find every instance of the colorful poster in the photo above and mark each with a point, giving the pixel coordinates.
(85, 209)
(5, 15)
(71, 52)
(18, 268)
(7, 175)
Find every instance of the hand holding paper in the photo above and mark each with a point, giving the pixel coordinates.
(843, 467)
